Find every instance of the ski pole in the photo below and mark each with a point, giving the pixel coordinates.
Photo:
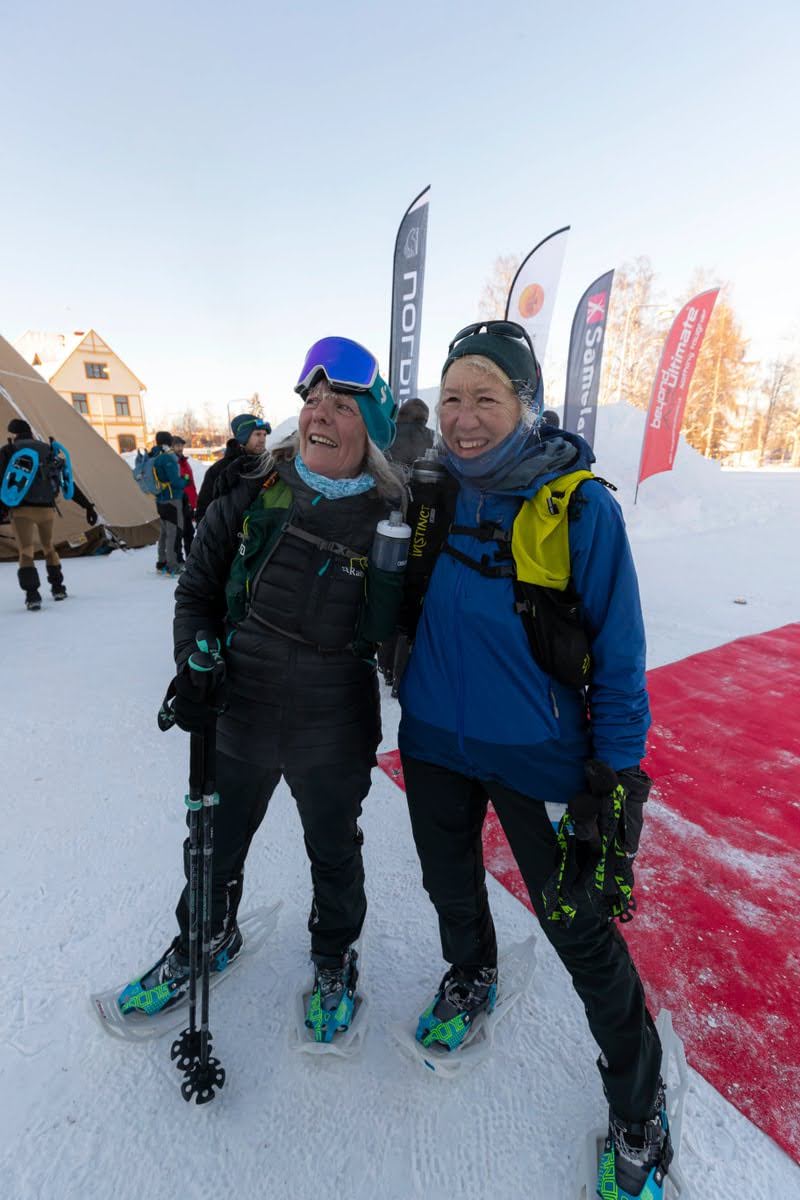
(190, 1052)
(186, 1049)
(205, 1073)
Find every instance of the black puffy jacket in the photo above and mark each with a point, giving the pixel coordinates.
(296, 691)
(233, 450)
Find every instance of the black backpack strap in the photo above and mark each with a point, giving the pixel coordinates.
(329, 547)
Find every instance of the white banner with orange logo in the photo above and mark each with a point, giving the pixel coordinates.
(532, 295)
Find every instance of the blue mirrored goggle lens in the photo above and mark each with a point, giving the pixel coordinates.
(345, 364)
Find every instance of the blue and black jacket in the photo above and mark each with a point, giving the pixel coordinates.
(169, 475)
(473, 698)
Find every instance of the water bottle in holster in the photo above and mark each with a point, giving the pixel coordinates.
(429, 515)
(384, 585)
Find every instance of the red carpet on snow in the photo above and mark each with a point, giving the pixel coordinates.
(717, 933)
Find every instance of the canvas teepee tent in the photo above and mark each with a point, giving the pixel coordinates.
(99, 471)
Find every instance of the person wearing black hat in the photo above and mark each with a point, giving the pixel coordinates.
(249, 438)
(169, 503)
(36, 513)
(509, 697)
(278, 575)
(413, 435)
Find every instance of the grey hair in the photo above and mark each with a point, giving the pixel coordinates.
(389, 481)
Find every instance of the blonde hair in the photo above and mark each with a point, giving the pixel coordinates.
(479, 362)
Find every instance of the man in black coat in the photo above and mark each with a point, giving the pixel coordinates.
(249, 437)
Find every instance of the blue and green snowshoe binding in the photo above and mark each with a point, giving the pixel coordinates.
(636, 1157)
(332, 1002)
(167, 981)
(460, 999)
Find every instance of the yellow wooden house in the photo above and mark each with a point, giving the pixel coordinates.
(94, 380)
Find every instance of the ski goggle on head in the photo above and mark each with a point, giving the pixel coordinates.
(508, 329)
(347, 366)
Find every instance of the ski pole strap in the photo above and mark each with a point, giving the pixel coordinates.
(166, 713)
(602, 875)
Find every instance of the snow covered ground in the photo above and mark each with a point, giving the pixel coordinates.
(91, 870)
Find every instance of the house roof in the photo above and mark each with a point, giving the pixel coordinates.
(48, 352)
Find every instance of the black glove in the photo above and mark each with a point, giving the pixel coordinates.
(91, 514)
(597, 841)
(196, 696)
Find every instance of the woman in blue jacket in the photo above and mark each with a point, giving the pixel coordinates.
(485, 719)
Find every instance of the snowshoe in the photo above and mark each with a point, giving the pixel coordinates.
(33, 601)
(459, 1000)
(636, 1157)
(143, 1018)
(448, 1045)
(332, 1002)
(167, 981)
(622, 1159)
(331, 1012)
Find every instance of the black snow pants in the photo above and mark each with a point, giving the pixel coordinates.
(447, 814)
(329, 800)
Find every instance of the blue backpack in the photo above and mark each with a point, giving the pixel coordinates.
(144, 472)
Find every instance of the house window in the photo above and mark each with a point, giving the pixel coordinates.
(96, 370)
(123, 409)
(80, 403)
(126, 442)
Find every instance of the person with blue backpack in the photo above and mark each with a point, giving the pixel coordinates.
(159, 474)
(526, 687)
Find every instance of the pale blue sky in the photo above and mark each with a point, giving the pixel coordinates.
(213, 187)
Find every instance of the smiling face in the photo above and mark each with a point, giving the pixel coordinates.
(478, 408)
(333, 437)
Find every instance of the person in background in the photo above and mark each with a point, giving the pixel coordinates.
(169, 503)
(184, 543)
(36, 514)
(413, 439)
(503, 701)
(249, 438)
(413, 435)
(551, 418)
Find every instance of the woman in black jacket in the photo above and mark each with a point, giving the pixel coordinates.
(299, 700)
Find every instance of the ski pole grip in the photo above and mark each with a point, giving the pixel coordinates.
(208, 643)
(197, 762)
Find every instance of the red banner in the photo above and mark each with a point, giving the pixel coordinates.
(671, 384)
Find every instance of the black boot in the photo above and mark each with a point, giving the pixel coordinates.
(29, 582)
(55, 577)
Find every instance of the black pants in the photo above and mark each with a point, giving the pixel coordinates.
(185, 536)
(329, 802)
(447, 814)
